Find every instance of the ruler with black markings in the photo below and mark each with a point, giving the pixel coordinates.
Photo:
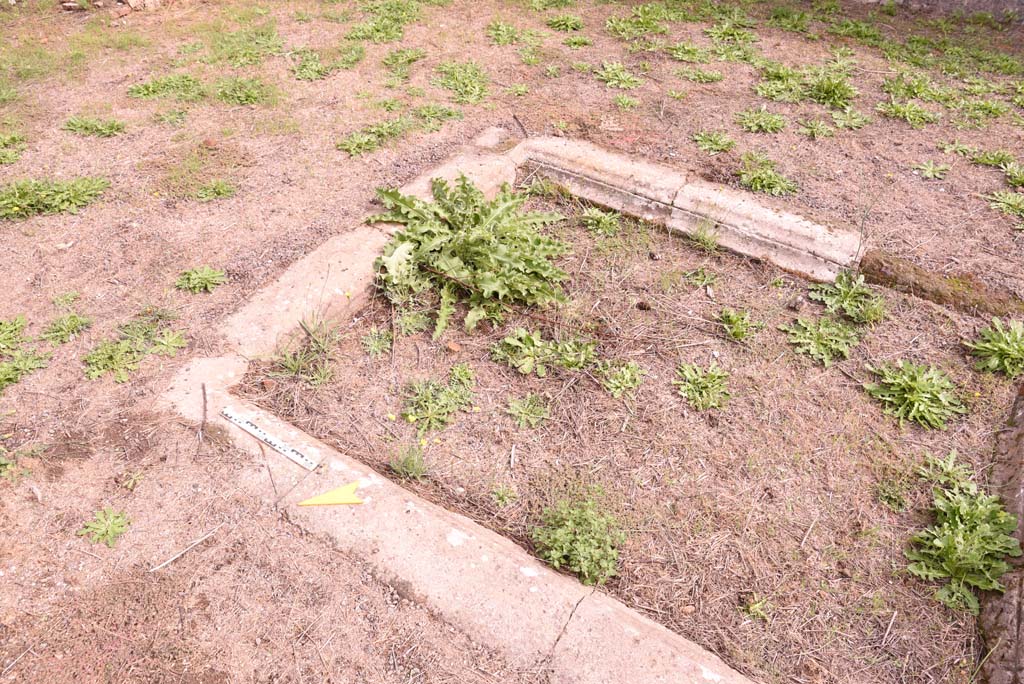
(278, 445)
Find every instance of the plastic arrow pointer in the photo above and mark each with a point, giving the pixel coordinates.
(341, 495)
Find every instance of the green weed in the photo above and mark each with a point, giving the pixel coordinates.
(700, 277)
(24, 198)
(530, 411)
(577, 42)
(850, 296)
(1000, 348)
(626, 103)
(463, 247)
(399, 62)
(106, 527)
(704, 389)
(931, 170)
(215, 189)
(688, 52)
(100, 128)
(1013, 170)
(65, 328)
(815, 128)
(760, 121)
(615, 75)
(172, 117)
(565, 23)
(466, 80)
(244, 91)
(12, 334)
(918, 393)
(824, 340)
(599, 222)
(386, 20)
(148, 333)
(245, 47)
(968, 542)
(408, 464)
(993, 158)
(200, 279)
(704, 236)
(581, 538)
(850, 119)
(757, 173)
(700, 75)
(20, 364)
(377, 342)
(1006, 201)
(713, 142)
(502, 33)
(431, 405)
(619, 378)
(11, 147)
(737, 324)
(530, 353)
(911, 112)
(432, 116)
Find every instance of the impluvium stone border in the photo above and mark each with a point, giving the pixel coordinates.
(475, 579)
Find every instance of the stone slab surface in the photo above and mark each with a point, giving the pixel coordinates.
(682, 202)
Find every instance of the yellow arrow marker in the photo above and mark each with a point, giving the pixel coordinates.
(341, 495)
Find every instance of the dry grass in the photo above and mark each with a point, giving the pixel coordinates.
(771, 501)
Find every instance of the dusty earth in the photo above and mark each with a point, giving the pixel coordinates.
(787, 515)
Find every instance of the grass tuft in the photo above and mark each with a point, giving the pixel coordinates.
(757, 173)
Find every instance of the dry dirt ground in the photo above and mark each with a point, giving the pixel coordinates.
(260, 602)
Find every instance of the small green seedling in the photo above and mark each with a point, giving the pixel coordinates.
(824, 340)
(704, 236)
(930, 170)
(413, 322)
(100, 128)
(530, 411)
(737, 324)
(106, 527)
(218, 188)
(65, 328)
(850, 119)
(377, 342)
(704, 389)
(816, 128)
(1000, 348)
(619, 378)
(581, 538)
(922, 394)
(577, 42)
(408, 464)
(431, 405)
(598, 222)
(701, 277)
(626, 103)
(11, 147)
(200, 279)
